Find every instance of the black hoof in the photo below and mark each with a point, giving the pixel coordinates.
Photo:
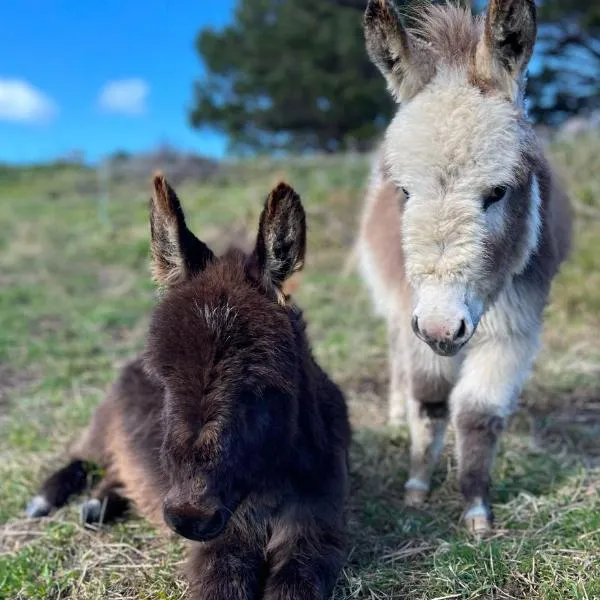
(91, 511)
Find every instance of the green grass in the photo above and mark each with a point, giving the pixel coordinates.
(74, 298)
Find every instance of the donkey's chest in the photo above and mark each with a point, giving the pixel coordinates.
(515, 313)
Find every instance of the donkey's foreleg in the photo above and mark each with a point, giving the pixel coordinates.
(106, 503)
(397, 367)
(87, 452)
(481, 402)
(478, 433)
(58, 488)
(428, 381)
(427, 418)
(304, 561)
(228, 568)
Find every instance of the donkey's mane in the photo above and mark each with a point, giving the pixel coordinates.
(449, 31)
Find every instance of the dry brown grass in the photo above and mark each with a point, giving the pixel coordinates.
(74, 305)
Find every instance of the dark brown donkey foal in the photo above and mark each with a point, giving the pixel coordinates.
(226, 428)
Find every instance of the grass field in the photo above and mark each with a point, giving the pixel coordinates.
(75, 293)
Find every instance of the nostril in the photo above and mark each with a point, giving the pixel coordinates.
(208, 530)
(461, 331)
(172, 520)
(415, 324)
(218, 522)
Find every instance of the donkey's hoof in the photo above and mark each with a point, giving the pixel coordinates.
(38, 507)
(478, 519)
(91, 511)
(479, 525)
(416, 492)
(415, 498)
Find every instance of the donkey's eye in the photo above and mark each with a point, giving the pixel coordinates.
(499, 192)
(406, 194)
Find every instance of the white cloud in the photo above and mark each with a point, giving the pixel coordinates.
(125, 96)
(20, 101)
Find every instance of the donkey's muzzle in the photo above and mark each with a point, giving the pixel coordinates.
(196, 526)
(445, 340)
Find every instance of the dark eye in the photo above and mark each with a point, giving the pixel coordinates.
(494, 196)
(406, 194)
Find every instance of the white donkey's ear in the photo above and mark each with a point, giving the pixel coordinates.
(506, 46)
(401, 60)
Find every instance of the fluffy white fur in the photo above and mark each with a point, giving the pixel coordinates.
(448, 147)
(534, 226)
(450, 143)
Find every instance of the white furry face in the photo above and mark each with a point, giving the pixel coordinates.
(453, 149)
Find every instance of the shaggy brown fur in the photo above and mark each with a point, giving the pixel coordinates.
(226, 428)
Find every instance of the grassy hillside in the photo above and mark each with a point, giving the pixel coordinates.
(74, 298)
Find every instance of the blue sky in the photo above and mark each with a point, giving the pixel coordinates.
(101, 75)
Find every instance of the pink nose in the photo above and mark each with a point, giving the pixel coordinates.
(440, 332)
(445, 336)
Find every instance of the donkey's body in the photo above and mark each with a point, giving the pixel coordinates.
(226, 428)
(463, 230)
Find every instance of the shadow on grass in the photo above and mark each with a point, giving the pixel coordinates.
(393, 547)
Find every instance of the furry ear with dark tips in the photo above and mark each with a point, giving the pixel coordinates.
(177, 254)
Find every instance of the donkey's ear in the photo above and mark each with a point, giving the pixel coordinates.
(281, 240)
(399, 58)
(177, 254)
(506, 45)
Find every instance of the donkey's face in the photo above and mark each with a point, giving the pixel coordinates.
(461, 155)
(222, 343)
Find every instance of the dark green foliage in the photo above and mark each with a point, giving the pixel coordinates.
(569, 48)
(294, 74)
(291, 75)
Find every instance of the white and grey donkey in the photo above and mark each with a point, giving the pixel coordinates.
(463, 229)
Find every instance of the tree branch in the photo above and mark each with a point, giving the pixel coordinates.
(577, 38)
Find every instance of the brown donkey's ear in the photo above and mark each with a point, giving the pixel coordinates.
(177, 254)
(402, 61)
(507, 43)
(281, 240)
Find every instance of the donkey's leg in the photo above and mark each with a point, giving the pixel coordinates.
(304, 561)
(224, 569)
(106, 503)
(427, 417)
(397, 393)
(75, 477)
(427, 387)
(481, 402)
(478, 433)
(58, 488)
